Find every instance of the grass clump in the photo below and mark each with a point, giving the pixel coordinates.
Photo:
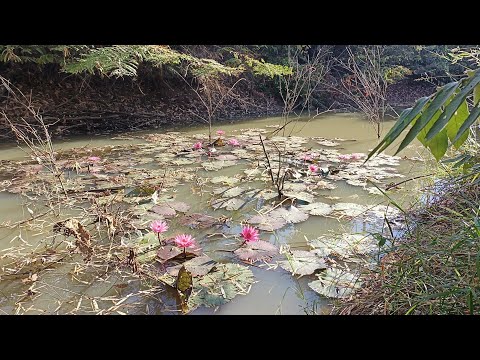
(435, 267)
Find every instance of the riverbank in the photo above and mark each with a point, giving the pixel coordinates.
(76, 105)
(434, 268)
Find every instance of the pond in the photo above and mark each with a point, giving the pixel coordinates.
(117, 185)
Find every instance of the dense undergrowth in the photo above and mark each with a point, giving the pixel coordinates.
(435, 267)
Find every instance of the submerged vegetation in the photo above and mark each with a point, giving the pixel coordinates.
(179, 221)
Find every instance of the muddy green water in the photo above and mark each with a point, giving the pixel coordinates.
(275, 292)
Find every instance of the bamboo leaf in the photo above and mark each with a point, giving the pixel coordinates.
(452, 107)
(438, 101)
(439, 145)
(423, 133)
(456, 122)
(467, 123)
(406, 117)
(476, 95)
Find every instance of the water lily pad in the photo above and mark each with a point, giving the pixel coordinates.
(235, 191)
(182, 161)
(226, 157)
(349, 209)
(141, 241)
(253, 172)
(198, 221)
(169, 252)
(217, 164)
(301, 262)
(170, 208)
(300, 195)
(224, 180)
(178, 206)
(197, 266)
(228, 204)
(267, 194)
(373, 190)
(291, 215)
(294, 187)
(278, 218)
(344, 245)
(335, 283)
(267, 223)
(318, 209)
(219, 286)
(355, 182)
(377, 214)
(324, 185)
(256, 251)
(326, 142)
(164, 210)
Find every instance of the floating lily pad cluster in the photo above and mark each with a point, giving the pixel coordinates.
(143, 179)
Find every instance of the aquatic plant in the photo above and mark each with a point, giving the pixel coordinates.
(185, 241)
(249, 233)
(233, 142)
(159, 227)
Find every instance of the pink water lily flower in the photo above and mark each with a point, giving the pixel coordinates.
(249, 233)
(159, 226)
(306, 157)
(185, 241)
(94, 159)
(233, 142)
(344, 157)
(198, 145)
(220, 132)
(313, 168)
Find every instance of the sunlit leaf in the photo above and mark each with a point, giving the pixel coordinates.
(197, 266)
(301, 262)
(335, 283)
(256, 251)
(318, 209)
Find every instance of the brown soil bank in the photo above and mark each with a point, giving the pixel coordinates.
(93, 105)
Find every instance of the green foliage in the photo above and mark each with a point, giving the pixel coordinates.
(260, 67)
(396, 73)
(124, 60)
(39, 54)
(438, 118)
(430, 61)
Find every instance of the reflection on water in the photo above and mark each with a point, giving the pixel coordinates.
(275, 292)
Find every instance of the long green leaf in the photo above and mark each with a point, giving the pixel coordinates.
(452, 107)
(438, 101)
(439, 144)
(400, 121)
(476, 90)
(476, 95)
(423, 133)
(406, 117)
(466, 125)
(456, 122)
